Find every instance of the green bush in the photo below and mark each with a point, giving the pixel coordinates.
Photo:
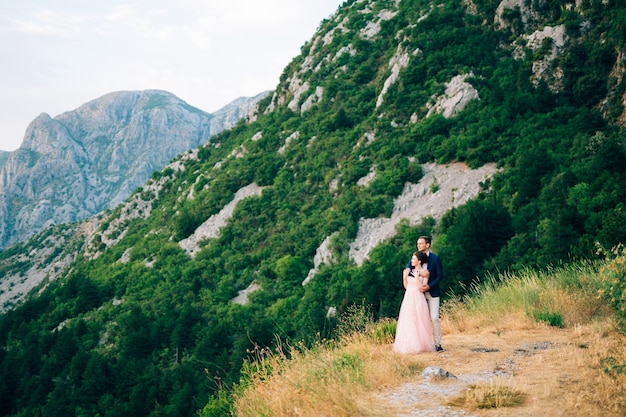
(614, 277)
(546, 316)
(219, 405)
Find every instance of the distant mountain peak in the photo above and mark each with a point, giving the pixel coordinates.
(89, 159)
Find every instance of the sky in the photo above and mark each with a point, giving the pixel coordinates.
(60, 54)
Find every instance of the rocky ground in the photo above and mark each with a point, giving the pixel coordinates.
(543, 363)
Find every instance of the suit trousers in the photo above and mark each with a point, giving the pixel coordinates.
(433, 307)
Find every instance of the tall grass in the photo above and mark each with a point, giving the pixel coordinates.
(558, 296)
(341, 377)
(330, 379)
(587, 297)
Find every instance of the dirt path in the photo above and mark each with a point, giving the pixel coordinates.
(550, 365)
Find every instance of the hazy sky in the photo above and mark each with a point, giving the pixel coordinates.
(60, 54)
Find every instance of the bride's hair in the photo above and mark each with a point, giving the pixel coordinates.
(422, 257)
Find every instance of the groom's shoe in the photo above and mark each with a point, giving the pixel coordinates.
(439, 348)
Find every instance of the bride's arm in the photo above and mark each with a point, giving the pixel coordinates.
(405, 277)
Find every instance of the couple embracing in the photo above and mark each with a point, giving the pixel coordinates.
(418, 329)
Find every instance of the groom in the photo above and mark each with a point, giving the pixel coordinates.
(431, 290)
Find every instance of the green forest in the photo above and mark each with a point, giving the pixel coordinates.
(157, 334)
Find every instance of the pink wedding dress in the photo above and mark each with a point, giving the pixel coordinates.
(414, 332)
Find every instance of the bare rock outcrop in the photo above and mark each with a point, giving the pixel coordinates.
(210, 228)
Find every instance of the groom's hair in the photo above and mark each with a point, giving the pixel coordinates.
(427, 239)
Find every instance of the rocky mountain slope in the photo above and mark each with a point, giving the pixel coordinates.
(398, 119)
(90, 159)
(51, 254)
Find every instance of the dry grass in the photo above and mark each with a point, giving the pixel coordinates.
(489, 395)
(325, 381)
(558, 372)
(530, 368)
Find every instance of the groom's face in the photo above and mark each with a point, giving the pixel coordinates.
(422, 246)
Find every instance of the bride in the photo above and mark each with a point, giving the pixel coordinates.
(413, 331)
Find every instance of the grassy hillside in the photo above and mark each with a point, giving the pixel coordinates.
(527, 344)
(138, 325)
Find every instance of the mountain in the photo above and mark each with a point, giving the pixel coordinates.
(497, 128)
(91, 159)
(240, 109)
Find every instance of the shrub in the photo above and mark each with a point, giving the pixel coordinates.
(546, 316)
(220, 405)
(356, 319)
(614, 278)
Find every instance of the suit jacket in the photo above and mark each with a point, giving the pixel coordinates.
(436, 273)
(435, 268)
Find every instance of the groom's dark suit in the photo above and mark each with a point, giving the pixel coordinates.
(436, 272)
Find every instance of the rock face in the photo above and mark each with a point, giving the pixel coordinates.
(90, 159)
(211, 227)
(442, 188)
